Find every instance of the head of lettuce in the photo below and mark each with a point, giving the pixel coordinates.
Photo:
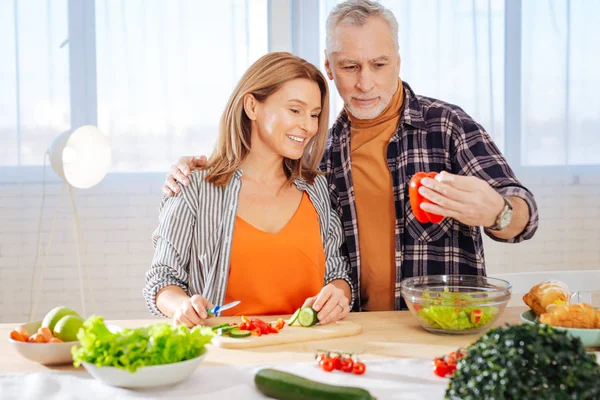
(130, 349)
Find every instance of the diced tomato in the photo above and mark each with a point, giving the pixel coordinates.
(476, 316)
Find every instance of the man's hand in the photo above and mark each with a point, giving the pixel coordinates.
(468, 199)
(180, 171)
(331, 303)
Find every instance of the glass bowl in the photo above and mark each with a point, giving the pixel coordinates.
(455, 304)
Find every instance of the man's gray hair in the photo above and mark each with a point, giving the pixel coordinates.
(356, 12)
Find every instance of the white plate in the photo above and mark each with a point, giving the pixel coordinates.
(151, 376)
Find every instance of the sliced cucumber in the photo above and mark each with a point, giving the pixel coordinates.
(282, 385)
(226, 329)
(294, 317)
(214, 328)
(307, 317)
(238, 333)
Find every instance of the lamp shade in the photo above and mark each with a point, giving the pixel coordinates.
(81, 156)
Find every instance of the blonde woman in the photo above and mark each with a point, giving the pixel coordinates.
(256, 225)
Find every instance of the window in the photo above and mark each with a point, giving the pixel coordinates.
(456, 51)
(561, 85)
(165, 72)
(450, 50)
(34, 78)
(165, 69)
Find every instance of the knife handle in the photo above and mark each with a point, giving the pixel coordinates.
(213, 310)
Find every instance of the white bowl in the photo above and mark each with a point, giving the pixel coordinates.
(144, 377)
(44, 353)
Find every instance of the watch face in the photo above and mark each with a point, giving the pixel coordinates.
(505, 218)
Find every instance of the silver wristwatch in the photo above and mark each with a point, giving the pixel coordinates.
(503, 219)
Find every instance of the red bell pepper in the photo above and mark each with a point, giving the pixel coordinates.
(280, 324)
(256, 331)
(260, 324)
(246, 326)
(416, 199)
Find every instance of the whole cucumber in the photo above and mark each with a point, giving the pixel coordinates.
(285, 386)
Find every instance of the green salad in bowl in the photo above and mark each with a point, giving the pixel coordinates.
(457, 304)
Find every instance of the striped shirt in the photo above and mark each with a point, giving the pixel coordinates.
(192, 244)
(431, 136)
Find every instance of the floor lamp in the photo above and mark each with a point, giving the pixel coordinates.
(81, 157)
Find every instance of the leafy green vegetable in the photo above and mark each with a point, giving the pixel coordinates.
(131, 349)
(526, 362)
(454, 311)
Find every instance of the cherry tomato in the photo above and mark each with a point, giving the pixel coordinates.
(320, 358)
(327, 365)
(451, 368)
(347, 365)
(359, 368)
(438, 360)
(451, 358)
(440, 369)
(337, 362)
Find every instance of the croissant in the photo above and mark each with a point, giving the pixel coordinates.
(580, 315)
(547, 293)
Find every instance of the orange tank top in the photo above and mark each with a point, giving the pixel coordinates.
(275, 273)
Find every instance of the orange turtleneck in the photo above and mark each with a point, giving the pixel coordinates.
(376, 216)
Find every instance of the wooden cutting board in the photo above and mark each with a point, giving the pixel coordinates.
(290, 334)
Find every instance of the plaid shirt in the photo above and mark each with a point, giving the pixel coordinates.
(431, 136)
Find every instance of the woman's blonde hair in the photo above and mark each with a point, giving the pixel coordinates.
(261, 80)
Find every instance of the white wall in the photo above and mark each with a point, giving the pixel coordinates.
(119, 215)
(117, 219)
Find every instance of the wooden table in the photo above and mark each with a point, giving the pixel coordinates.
(385, 334)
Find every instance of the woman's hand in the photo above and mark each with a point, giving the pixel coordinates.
(192, 311)
(332, 302)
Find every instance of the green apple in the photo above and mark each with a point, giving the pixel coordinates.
(52, 318)
(67, 327)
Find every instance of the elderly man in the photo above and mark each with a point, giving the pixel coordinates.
(384, 135)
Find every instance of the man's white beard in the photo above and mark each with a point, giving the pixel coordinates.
(371, 113)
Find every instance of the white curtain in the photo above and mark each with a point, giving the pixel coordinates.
(561, 83)
(166, 70)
